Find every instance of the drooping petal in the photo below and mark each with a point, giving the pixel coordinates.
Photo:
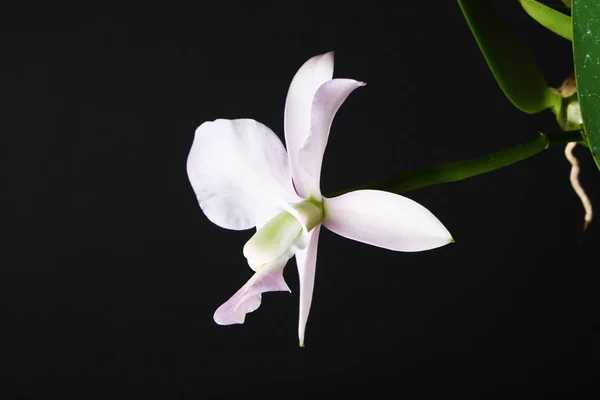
(239, 172)
(385, 220)
(327, 101)
(269, 278)
(306, 260)
(298, 104)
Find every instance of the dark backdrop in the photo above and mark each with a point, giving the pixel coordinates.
(111, 272)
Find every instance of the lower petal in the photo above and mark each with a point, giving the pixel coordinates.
(385, 220)
(306, 259)
(268, 278)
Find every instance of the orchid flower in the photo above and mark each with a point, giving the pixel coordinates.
(244, 178)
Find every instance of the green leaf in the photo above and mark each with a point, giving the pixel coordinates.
(513, 66)
(586, 48)
(556, 21)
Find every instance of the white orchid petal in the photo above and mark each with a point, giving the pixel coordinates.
(327, 101)
(385, 220)
(298, 105)
(306, 261)
(239, 172)
(267, 279)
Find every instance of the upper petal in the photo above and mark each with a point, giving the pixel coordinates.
(239, 172)
(385, 220)
(298, 104)
(327, 101)
(306, 259)
(246, 300)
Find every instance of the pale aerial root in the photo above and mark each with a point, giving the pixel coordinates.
(585, 201)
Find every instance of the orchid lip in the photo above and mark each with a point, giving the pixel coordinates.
(282, 232)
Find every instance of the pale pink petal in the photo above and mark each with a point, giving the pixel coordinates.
(298, 104)
(239, 172)
(385, 220)
(327, 101)
(306, 260)
(246, 300)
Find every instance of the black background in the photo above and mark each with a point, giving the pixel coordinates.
(111, 272)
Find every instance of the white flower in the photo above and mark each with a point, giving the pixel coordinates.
(244, 178)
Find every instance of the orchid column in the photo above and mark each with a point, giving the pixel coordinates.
(244, 178)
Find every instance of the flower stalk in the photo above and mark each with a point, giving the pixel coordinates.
(459, 170)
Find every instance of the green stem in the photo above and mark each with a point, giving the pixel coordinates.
(459, 170)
